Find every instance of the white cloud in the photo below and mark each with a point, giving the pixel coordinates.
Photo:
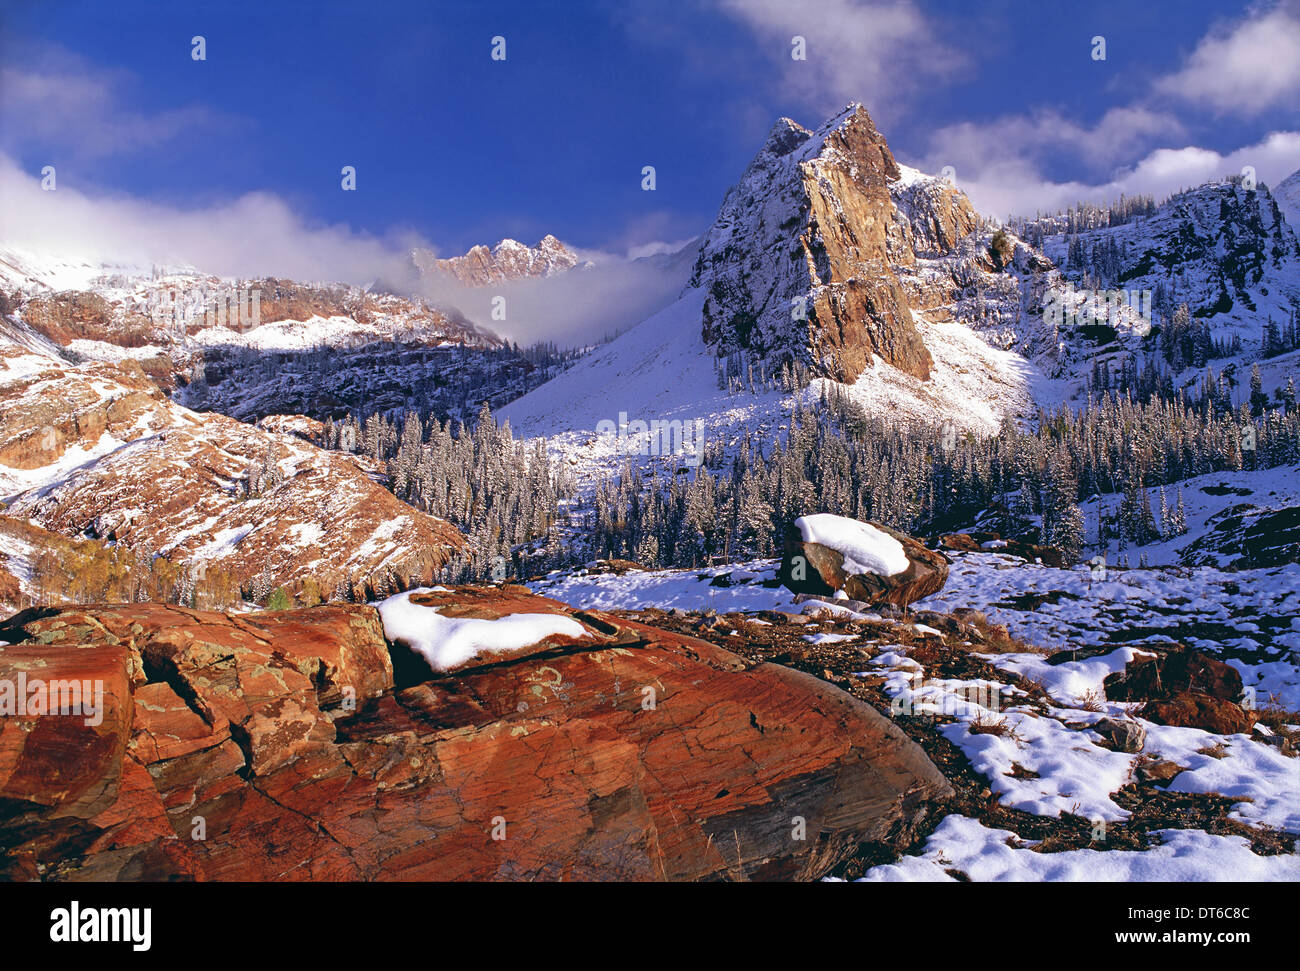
(254, 235)
(1130, 149)
(64, 105)
(870, 51)
(1016, 187)
(1243, 68)
(259, 235)
(1012, 139)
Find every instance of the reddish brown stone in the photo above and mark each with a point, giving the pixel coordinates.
(631, 753)
(1177, 670)
(167, 728)
(67, 759)
(1189, 710)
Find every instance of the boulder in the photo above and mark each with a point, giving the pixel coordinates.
(827, 566)
(1184, 687)
(1121, 734)
(1187, 709)
(282, 746)
(1176, 670)
(1161, 771)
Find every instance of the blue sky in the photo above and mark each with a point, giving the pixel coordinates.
(454, 148)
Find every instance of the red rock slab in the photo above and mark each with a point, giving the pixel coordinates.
(711, 782)
(631, 754)
(137, 815)
(166, 727)
(341, 648)
(70, 762)
(1190, 710)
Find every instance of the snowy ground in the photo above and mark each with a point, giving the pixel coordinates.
(1043, 759)
(1252, 617)
(965, 846)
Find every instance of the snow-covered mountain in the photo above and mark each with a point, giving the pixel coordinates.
(508, 260)
(829, 261)
(322, 350)
(1224, 250)
(813, 257)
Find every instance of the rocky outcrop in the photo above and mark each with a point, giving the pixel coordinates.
(1223, 248)
(814, 568)
(994, 543)
(1188, 709)
(283, 746)
(508, 260)
(796, 266)
(1247, 537)
(827, 248)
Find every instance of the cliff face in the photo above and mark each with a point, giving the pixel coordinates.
(813, 255)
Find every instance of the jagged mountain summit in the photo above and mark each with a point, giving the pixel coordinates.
(508, 260)
(827, 248)
(830, 259)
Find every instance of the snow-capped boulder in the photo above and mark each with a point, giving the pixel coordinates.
(835, 555)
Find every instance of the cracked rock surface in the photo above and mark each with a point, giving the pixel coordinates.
(280, 745)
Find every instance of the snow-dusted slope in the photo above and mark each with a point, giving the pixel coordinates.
(1221, 248)
(659, 370)
(97, 451)
(1287, 194)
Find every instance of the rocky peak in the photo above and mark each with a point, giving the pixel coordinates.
(806, 258)
(508, 260)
